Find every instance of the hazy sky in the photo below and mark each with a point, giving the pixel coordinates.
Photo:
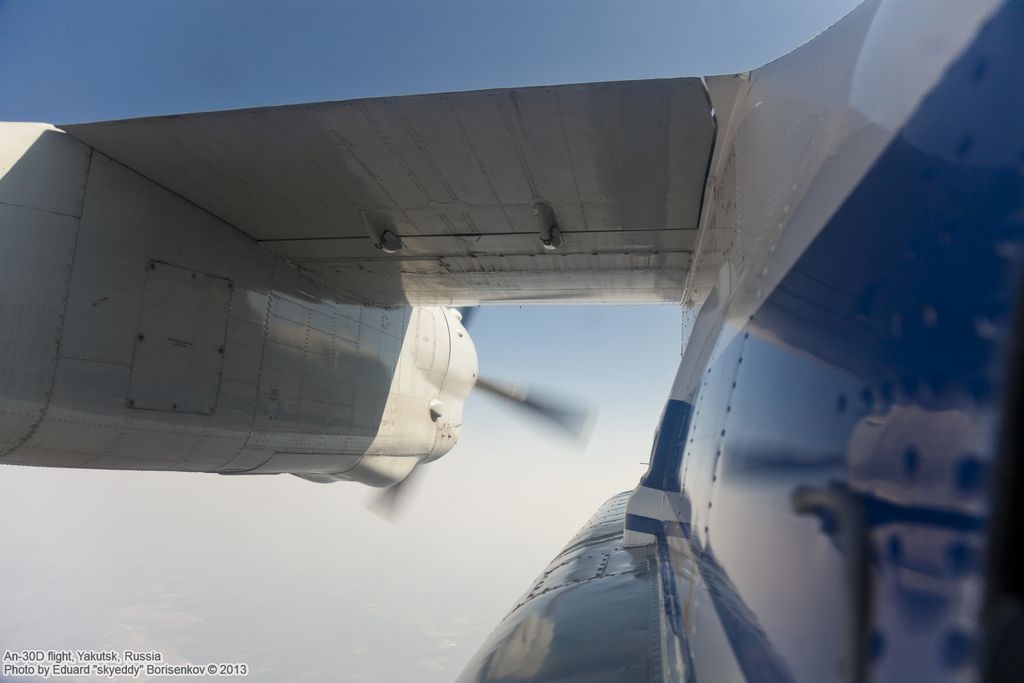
(299, 579)
(295, 578)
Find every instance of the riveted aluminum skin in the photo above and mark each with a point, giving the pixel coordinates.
(141, 332)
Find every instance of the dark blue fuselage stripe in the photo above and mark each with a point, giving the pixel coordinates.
(655, 527)
(671, 605)
(755, 655)
(646, 525)
(667, 453)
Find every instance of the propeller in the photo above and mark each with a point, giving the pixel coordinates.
(572, 418)
(466, 314)
(388, 503)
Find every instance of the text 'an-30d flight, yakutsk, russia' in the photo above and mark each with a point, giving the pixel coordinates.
(832, 490)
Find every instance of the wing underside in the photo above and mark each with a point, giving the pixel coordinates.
(465, 181)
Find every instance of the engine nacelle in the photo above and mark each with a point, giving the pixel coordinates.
(436, 372)
(140, 332)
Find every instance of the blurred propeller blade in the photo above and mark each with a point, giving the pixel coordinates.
(467, 313)
(388, 503)
(571, 417)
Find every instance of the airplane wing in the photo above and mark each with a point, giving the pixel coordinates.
(610, 595)
(461, 187)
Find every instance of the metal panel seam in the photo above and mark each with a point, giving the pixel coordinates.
(60, 321)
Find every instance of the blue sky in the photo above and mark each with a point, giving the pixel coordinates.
(298, 579)
(68, 61)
